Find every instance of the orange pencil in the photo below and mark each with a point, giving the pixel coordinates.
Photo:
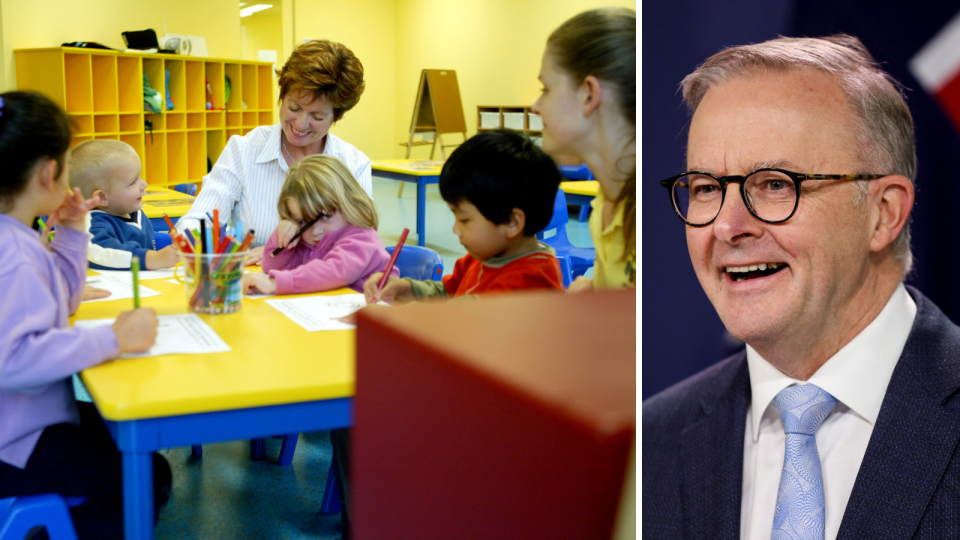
(177, 238)
(246, 241)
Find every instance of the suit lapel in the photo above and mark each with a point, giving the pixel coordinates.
(915, 436)
(711, 460)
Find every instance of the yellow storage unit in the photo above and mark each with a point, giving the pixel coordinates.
(102, 91)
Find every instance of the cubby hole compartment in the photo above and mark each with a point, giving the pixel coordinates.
(195, 120)
(266, 85)
(195, 86)
(250, 119)
(214, 77)
(77, 140)
(153, 68)
(215, 120)
(106, 123)
(197, 155)
(176, 121)
(113, 136)
(247, 130)
(215, 144)
(249, 80)
(266, 118)
(104, 83)
(159, 121)
(155, 166)
(130, 123)
(234, 119)
(77, 78)
(236, 87)
(176, 158)
(130, 81)
(136, 141)
(232, 132)
(177, 85)
(83, 124)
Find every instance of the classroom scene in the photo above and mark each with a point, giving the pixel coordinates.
(318, 270)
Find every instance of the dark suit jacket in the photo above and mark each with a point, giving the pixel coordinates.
(908, 485)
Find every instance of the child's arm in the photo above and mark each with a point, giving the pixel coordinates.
(401, 289)
(163, 258)
(343, 265)
(287, 259)
(105, 236)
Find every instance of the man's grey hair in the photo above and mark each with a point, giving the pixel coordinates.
(882, 119)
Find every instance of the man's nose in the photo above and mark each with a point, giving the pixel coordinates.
(735, 222)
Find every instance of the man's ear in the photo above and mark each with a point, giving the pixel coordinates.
(893, 201)
(592, 94)
(516, 224)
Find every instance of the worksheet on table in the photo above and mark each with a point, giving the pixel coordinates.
(315, 313)
(143, 275)
(176, 334)
(120, 285)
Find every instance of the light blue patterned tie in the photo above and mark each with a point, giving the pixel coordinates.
(799, 513)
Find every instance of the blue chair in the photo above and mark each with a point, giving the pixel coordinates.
(188, 189)
(162, 239)
(420, 263)
(414, 262)
(20, 514)
(578, 172)
(565, 271)
(580, 259)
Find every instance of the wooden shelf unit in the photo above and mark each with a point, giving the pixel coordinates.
(102, 91)
(499, 110)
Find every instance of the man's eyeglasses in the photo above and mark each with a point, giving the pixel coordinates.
(771, 195)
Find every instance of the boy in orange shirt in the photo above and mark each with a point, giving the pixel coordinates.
(501, 189)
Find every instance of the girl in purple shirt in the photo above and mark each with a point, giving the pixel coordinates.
(341, 249)
(48, 442)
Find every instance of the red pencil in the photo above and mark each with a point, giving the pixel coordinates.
(216, 229)
(392, 261)
(224, 243)
(246, 241)
(175, 236)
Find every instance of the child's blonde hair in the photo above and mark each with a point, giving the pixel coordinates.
(322, 184)
(91, 163)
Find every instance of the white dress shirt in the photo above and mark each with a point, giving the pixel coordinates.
(245, 182)
(857, 376)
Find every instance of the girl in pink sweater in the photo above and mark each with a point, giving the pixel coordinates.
(341, 249)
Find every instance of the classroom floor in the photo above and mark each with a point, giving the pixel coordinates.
(226, 495)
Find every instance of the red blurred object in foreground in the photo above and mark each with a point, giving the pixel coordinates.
(507, 417)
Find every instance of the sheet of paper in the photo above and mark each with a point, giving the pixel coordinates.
(316, 313)
(119, 285)
(145, 275)
(176, 334)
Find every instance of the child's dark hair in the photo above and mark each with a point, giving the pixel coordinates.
(32, 128)
(498, 171)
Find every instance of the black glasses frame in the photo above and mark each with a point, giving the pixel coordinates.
(798, 178)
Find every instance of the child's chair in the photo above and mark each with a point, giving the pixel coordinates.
(188, 189)
(420, 263)
(565, 271)
(20, 514)
(580, 259)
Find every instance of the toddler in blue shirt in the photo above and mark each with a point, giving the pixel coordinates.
(111, 169)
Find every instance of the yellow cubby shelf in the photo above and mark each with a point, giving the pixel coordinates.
(102, 91)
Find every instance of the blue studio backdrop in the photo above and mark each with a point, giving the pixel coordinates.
(681, 332)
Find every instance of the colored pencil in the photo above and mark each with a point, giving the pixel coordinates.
(135, 267)
(216, 229)
(392, 261)
(247, 241)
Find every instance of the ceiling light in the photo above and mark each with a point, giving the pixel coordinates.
(248, 11)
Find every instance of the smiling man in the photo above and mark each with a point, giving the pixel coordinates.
(840, 420)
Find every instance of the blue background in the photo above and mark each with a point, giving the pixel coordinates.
(681, 333)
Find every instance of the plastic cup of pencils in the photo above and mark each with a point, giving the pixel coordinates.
(213, 281)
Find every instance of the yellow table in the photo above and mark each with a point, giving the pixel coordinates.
(417, 171)
(159, 201)
(278, 378)
(581, 193)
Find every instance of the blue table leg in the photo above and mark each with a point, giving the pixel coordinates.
(421, 212)
(138, 495)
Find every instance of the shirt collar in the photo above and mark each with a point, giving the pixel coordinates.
(271, 149)
(857, 375)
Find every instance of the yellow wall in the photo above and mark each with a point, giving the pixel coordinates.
(366, 27)
(495, 47)
(264, 31)
(48, 23)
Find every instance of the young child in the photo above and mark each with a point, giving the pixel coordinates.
(500, 188)
(110, 170)
(341, 249)
(49, 443)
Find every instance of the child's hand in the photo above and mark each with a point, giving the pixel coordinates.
(136, 330)
(72, 210)
(163, 258)
(254, 283)
(581, 284)
(395, 288)
(92, 293)
(286, 230)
